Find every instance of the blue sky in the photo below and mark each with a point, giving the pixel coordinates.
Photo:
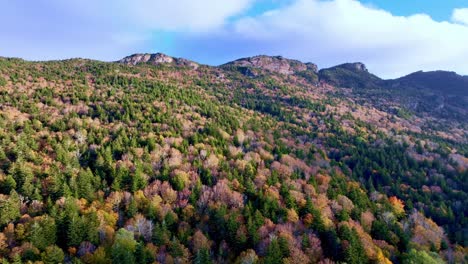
(440, 10)
(393, 37)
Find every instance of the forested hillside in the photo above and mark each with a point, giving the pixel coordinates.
(169, 161)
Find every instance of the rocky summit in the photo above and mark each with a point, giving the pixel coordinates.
(276, 64)
(157, 58)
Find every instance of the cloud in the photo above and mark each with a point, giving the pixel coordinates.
(327, 32)
(333, 32)
(180, 15)
(105, 29)
(460, 15)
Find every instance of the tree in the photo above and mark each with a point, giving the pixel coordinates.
(43, 232)
(8, 184)
(353, 250)
(203, 257)
(124, 247)
(398, 206)
(9, 207)
(3, 82)
(273, 254)
(23, 177)
(421, 257)
(75, 230)
(53, 255)
(85, 184)
(143, 255)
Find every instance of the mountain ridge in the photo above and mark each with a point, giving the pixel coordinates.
(274, 63)
(155, 59)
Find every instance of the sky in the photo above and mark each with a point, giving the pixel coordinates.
(392, 37)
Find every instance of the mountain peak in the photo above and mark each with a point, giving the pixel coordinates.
(355, 66)
(157, 58)
(277, 64)
(446, 81)
(350, 75)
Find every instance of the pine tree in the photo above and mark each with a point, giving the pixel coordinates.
(353, 250)
(273, 254)
(85, 184)
(43, 232)
(53, 255)
(124, 247)
(203, 257)
(9, 208)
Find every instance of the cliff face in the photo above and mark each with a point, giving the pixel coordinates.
(274, 64)
(157, 58)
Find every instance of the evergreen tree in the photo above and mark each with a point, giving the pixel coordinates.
(9, 208)
(353, 251)
(43, 232)
(203, 257)
(86, 185)
(124, 247)
(52, 255)
(273, 254)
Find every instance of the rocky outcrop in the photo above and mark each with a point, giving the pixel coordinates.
(157, 58)
(350, 75)
(356, 67)
(274, 64)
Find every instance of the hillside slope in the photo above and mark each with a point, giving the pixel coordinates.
(152, 160)
(441, 95)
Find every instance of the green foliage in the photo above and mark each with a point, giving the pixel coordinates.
(9, 208)
(124, 247)
(403, 113)
(3, 82)
(86, 185)
(52, 255)
(421, 257)
(274, 254)
(143, 255)
(256, 162)
(203, 257)
(43, 232)
(353, 250)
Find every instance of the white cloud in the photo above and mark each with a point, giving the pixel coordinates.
(327, 32)
(332, 32)
(187, 14)
(460, 15)
(177, 15)
(104, 29)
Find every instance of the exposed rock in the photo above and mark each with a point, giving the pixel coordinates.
(357, 66)
(157, 58)
(312, 67)
(274, 64)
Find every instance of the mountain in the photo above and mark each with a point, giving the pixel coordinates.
(441, 81)
(156, 59)
(440, 94)
(276, 64)
(261, 160)
(350, 75)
